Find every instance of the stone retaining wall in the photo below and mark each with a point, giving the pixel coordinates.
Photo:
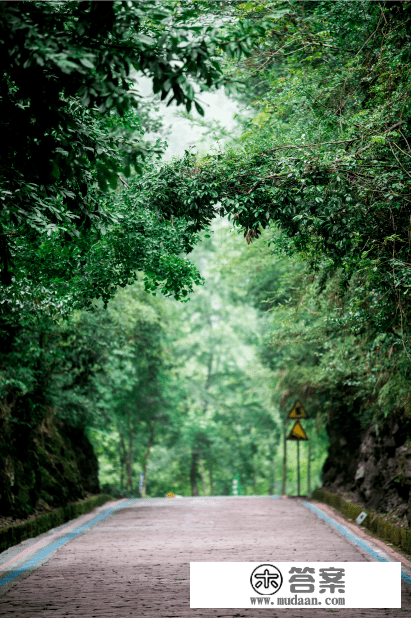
(375, 523)
(14, 534)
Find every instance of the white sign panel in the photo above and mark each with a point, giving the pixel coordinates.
(288, 584)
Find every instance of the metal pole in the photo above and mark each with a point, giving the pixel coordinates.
(298, 467)
(284, 463)
(309, 470)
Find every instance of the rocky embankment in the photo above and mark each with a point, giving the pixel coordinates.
(373, 465)
(44, 467)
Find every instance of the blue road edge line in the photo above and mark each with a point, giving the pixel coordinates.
(71, 535)
(352, 537)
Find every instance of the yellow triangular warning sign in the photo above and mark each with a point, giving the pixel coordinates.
(297, 432)
(297, 411)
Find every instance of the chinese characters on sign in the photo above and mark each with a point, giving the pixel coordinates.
(302, 580)
(332, 580)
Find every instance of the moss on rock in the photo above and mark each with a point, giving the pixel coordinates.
(52, 463)
(377, 523)
(12, 533)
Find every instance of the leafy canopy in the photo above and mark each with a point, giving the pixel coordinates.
(326, 157)
(71, 127)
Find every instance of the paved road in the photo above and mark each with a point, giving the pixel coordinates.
(134, 561)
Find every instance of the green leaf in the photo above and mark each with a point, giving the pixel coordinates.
(86, 62)
(199, 108)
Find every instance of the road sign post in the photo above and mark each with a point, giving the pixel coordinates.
(283, 489)
(309, 470)
(297, 433)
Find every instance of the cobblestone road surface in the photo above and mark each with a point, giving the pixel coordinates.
(136, 561)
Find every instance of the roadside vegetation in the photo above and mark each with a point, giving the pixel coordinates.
(174, 312)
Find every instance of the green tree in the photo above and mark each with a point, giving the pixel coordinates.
(226, 422)
(132, 388)
(323, 165)
(72, 126)
(326, 159)
(70, 121)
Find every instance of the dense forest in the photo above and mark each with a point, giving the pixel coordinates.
(161, 318)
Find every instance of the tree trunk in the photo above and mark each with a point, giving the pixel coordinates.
(146, 456)
(210, 478)
(194, 473)
(271, 490)
(203, 476)
(123, 456)
(121, 471)
(129, 461)
(209, 371)
(208, 380)
(195, 455)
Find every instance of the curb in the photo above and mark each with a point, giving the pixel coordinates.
(358, 536)
(12, 535)
(388, 532)
(33, 556)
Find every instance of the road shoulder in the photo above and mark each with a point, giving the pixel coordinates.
(376, 545)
